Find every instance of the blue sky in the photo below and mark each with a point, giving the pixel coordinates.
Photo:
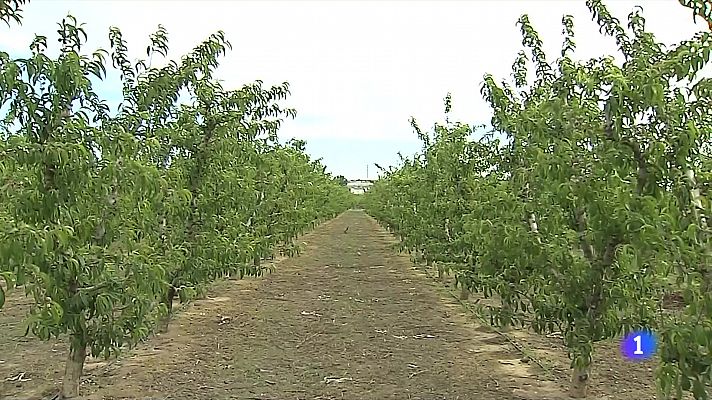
(358, 70)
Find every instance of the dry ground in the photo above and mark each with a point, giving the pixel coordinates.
(347, 319)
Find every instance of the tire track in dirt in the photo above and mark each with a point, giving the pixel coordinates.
(348, 319)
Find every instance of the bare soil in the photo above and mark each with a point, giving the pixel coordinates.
(347, 319)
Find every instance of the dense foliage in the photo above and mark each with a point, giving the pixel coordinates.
(588, 203)
(106, 217)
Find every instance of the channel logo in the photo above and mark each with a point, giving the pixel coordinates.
(639, 345)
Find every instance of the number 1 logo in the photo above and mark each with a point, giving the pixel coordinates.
(638, 351)
(638, 345)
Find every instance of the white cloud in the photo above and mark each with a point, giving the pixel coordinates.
(357, 70)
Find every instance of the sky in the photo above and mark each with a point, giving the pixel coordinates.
(358, 70)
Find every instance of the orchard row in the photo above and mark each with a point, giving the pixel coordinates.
(587, 204)
(106, 218)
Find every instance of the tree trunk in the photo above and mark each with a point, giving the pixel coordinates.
(695, 197)
(74, 368)
(697, 209)
(464, 293)
(202, 293)
(534, 227)
(579, 382)
(506, 310)
(168, 301)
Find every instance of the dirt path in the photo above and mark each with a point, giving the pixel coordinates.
(348, 319)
